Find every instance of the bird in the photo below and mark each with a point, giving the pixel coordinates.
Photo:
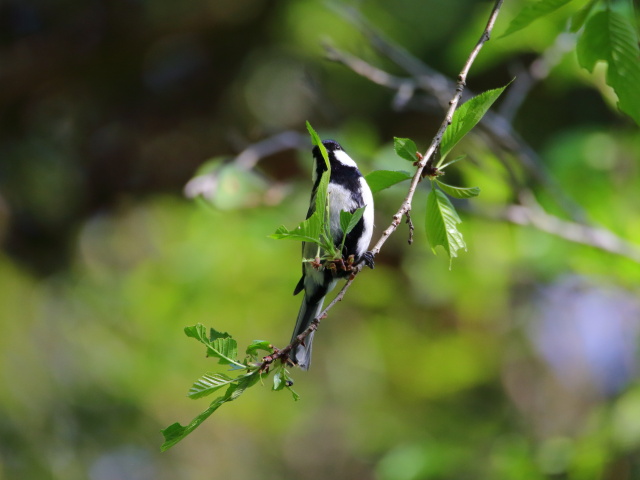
(347, 191)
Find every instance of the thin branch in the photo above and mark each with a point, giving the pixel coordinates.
(405, 208)
(497, 128)
(427, 159)
(531, 213)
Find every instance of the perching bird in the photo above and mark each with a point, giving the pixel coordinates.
(347, 191)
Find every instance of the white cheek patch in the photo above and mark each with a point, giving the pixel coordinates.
(344, 159)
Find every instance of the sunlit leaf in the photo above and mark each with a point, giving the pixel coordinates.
(466, 117)
(225, 350)
(223, 347)
(307, 231)
(405, 148)
(442, 224)
(611, 37)
(531, 12)
(381, 179)
(315, 139)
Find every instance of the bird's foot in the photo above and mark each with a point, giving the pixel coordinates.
(367, 259)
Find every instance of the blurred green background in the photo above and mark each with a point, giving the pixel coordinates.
(520, 362)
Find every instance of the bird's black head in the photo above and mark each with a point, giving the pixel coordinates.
(330, 145)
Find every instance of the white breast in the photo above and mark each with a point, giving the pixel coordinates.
(339, 200)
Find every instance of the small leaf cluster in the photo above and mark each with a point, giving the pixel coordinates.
(222, 347)
(606, 33)
(442, 219)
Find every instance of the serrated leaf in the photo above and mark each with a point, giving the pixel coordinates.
(209, 383)
(224, 348)
(442, 224)
(611, 37)
(466, 117)
(459, 192)
(215, 334)
(381, 179)
(532, 12)
(405, 148)
(199, 332)
(257, 345)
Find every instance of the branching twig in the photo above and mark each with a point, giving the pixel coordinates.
(405, 208)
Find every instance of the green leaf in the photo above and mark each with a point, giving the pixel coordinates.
(315, 139)
(451, 162)
(459, 192)
(405, 148)
(209, 383)
(225, 350)
(199, 332)
(532, 12)
(381, 179)
(307, 231)
(466, 117)
(578, 18)
(257, 345)
(215, 334)
(176, 432)
(348, 220)
(441, 224)
(611, 37)
(223, 347)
